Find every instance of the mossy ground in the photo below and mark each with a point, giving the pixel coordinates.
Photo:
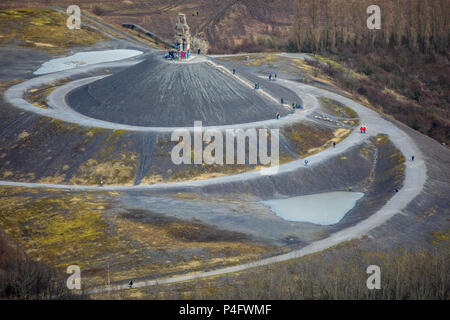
(338, 66)
(43, 29)
(163, 149)
(90, 154)
(337, 109)
(308, 139)
(38, 96)
(59, 229)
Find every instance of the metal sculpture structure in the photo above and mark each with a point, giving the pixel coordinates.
(182, 37)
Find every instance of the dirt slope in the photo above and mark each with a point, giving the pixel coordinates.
(228, 25)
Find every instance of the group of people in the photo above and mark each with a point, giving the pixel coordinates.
(294, 105)
(273, 77)
(363, 129)
(256, 86)
(172, 55)
(278, 116)
(182, 55)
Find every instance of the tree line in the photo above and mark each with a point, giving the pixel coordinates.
(332, 24)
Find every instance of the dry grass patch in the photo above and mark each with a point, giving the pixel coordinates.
(308, 139)
(38, 96)
(113, 171)
(43, 29)
(61, 229)
(337, 109)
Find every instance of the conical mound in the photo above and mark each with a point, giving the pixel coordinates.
(157, 93)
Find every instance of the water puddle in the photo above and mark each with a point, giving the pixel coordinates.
(85, 58)
(322, 208)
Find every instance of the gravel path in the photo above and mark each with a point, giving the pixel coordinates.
(59, 109)
(415, 177)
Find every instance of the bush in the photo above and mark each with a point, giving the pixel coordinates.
(405, 274)
(97, 10)
(197, 43)
(24, 279)
(423, 80)
(267, 42)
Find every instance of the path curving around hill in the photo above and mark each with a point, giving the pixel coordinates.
(415, 171)
(59, 108)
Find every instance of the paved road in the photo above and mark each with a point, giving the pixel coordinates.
(415, 175)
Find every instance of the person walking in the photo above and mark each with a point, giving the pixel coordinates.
(334, 144)
(234, 71)
(412, 158)
(130, 284)
(306, 163)
(270, 77)
(282, 101)
(275, 76)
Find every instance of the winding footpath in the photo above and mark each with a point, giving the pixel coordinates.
(59, 109)
(415, 172)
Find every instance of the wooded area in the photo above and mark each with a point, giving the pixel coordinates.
(330, 24)
(403, 67)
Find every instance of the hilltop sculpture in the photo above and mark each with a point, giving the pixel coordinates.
(182, 36)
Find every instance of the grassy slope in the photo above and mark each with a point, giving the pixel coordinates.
(43, 29)
(61, 229)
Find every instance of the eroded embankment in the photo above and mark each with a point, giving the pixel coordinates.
(42, 150)
(140, 243)
(361, 165)
(375, 168)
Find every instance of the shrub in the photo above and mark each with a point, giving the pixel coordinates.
(97, 10)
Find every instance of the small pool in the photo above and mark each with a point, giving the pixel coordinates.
(322, 208)
(85, 58)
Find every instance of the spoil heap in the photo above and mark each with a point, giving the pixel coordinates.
(157, 93)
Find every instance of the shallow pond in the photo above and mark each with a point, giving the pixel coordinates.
(321, 208)
(85, 58)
